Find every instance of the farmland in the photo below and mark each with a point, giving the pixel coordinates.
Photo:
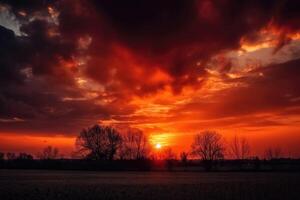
(34, 184)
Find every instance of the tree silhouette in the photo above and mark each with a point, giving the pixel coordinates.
(184, 159)
(134, 146)
(48, 153)
(273, 153)
(99, 142)
(209, 147)
(24, 156)
(169, 157)
(169, 154)
(11, 156)
(114, 142)
(239, 148)
(1, 156)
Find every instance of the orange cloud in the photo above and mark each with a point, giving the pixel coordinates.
(170, 68)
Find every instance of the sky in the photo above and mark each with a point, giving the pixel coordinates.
(171, 68)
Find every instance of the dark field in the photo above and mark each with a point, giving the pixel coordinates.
(30, 184)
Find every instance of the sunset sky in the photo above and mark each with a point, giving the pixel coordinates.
(171, 68)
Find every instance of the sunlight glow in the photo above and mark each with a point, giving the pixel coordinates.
(158, 146)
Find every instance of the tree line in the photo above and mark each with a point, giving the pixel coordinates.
(107, 143)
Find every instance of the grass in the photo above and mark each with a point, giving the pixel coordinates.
(30, 184)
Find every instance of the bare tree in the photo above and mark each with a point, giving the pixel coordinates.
(114, 140)
(135, 145)
(184, 159)
(99, 142)
(169, 154)
(209, 147)
(91, 143)
(11, 156)
(48, 153)
(273, 153)
(1, 156)
(25, 156)
(239, 148)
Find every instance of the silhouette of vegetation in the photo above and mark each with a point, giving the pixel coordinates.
(11, 156)
(24, 156)
(239, 148)
(48, 153)
(170, 158)
(1, 156)
(106, 148)
(99, 142)
(134, 145)
(184, 159)
(208, 146)
(169, 154)
(273, 153)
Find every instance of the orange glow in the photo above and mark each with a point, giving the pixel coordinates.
(12, 142)
(270, 37)
(158, 146)
(171, 73)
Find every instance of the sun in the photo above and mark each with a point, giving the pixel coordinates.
(157, 146)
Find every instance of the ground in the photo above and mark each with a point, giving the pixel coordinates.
(33, 184)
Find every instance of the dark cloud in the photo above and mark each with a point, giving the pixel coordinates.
(268, 90)
(131, 48)
(35, 82)
(171, 35)
(28, 7)
(287, 14)
(10, 71)
(272, 89)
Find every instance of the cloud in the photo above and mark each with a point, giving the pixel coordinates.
(78, 62)
(265, 96)
(269, 89)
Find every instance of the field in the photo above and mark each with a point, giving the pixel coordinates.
(39, 185)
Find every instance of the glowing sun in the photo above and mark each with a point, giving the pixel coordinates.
(157, 146)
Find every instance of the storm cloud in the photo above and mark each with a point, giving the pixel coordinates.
(79, 62)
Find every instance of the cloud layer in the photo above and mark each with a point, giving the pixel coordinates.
(147, 63)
